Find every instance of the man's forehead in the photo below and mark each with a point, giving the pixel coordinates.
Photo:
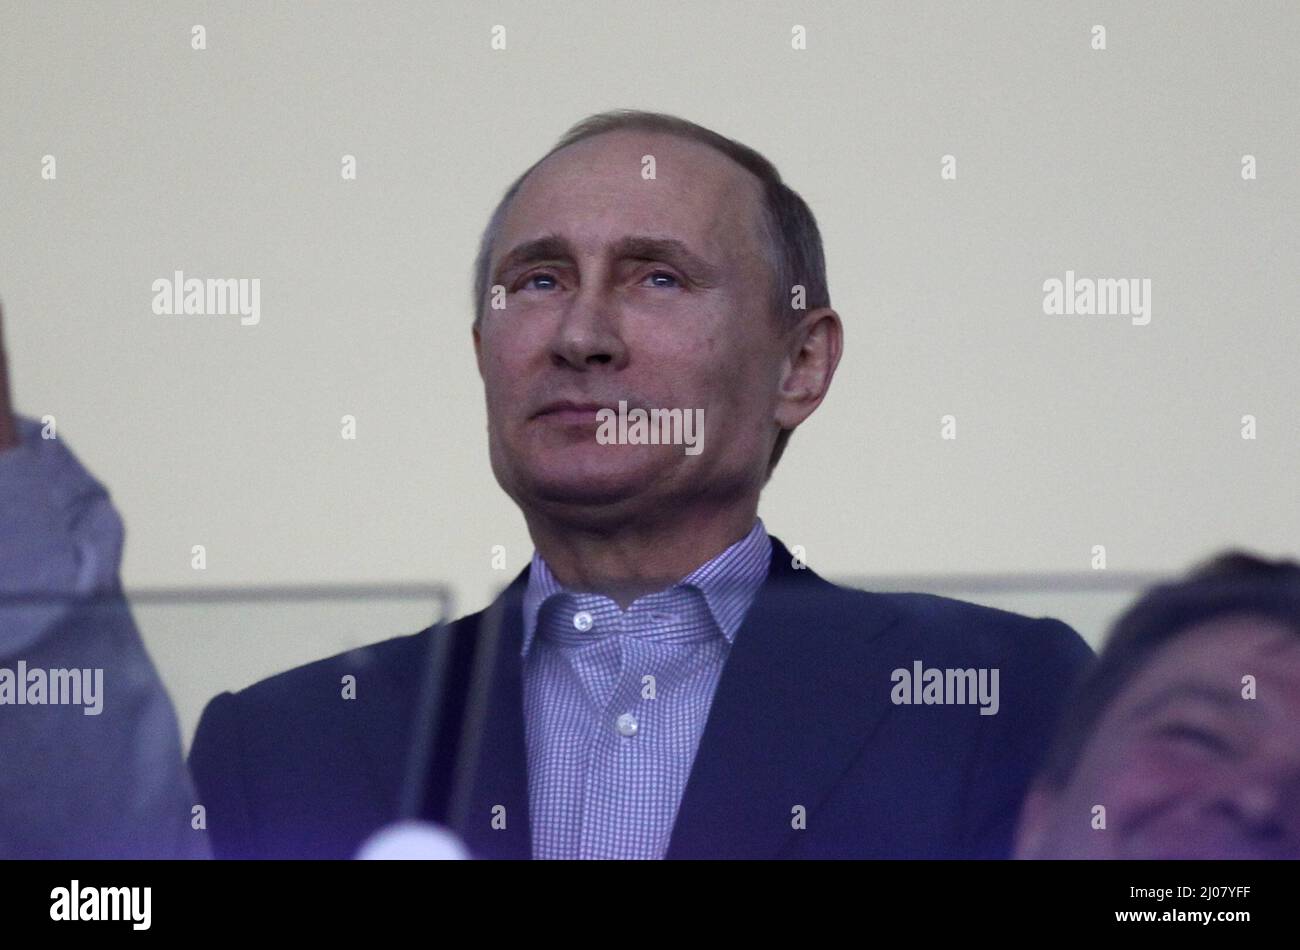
(621, 156)
(595, 192)
(1228, 636)
(1216, 654)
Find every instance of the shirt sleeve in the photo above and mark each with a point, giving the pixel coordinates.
(102, 777)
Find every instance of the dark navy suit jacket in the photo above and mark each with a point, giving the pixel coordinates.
(802, 719)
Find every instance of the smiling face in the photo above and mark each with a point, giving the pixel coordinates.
(656, 292)
(1185, 766)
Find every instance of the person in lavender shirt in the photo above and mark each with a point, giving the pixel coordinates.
(664, 679)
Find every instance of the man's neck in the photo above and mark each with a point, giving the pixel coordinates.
(637, 559)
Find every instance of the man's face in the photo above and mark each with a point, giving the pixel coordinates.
(655, 292)
(1185, 766)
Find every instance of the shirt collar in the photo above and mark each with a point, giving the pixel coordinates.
(729, 583)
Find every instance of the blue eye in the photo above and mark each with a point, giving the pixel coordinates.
(531, 277)
(664, 273)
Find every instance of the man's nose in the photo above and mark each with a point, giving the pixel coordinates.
(589, 333)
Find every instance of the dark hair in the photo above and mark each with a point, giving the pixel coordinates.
(1231, 583)
(793, 245)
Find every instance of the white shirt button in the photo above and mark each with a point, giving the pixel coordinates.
(626, 725)
(582, 620)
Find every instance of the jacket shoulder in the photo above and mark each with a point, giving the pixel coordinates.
(986, 629)
(959, 629)
(311, 753)
(942, 626)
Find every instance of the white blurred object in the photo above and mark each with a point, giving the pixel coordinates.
(412, 841)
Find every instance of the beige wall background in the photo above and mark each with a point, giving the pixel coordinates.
(1073, 431)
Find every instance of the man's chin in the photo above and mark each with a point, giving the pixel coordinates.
(592, 492)
(593, 487)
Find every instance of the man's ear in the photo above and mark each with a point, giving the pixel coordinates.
(815, 348)
(8, 423)
(1035, 820)
(478, 348)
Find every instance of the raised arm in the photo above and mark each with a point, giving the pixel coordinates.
(90, 751)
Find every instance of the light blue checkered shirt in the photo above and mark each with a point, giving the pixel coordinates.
(615, 701)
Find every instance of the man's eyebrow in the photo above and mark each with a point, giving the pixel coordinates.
(643, 248)
(545, 248)
(552, 247)
(1217, 696)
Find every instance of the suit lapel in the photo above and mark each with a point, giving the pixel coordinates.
(789, 715)
(490, 807)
